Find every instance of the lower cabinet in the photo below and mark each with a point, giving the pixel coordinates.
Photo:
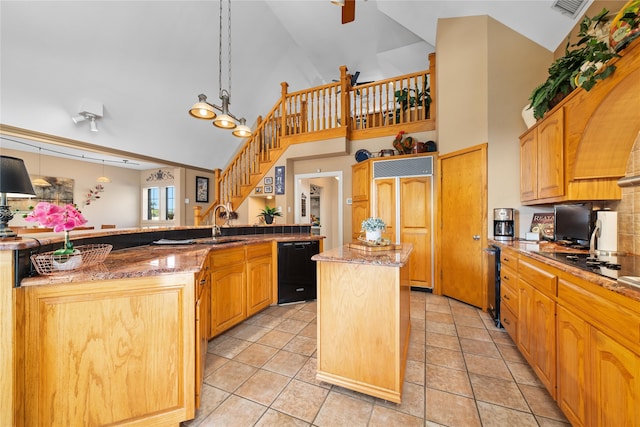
(203, 326)
(241, 284)
(106, 352)
(582, 341)
(228, 289)
(259, 277)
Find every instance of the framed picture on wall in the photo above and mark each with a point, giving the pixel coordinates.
(202, 189)
(268, 180)
(279, 179)
(268, 189)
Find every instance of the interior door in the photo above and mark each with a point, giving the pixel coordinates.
(463, 201)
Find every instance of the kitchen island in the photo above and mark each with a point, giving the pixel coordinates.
(122, 342)
(363, 319)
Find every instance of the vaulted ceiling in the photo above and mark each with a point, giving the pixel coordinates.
(146, 61)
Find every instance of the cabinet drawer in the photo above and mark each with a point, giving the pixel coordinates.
(255, 251)
(603, 309)
(509, 296)
(509, 258)
(508, 276)
(534, 274)
(509, 321)
(225, 257)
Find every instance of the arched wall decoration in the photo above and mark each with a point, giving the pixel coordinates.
(160, 175)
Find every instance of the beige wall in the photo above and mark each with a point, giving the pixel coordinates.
(486, 73)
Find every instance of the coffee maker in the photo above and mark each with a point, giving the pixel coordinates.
(503, 228)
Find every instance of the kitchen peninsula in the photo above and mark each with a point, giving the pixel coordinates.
(124, 341)
(363, 319)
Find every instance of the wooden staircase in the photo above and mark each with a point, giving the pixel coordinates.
(325, 112)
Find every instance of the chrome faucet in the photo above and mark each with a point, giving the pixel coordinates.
(216, 228)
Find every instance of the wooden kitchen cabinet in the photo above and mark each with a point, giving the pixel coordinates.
(203, 326)
(509, 292)
(405, 204)
(228, 289)
(542, 159)
(259, 277)
(536, 337)
(573, 348)
(385, 205)
(106, 352)
(360, 189)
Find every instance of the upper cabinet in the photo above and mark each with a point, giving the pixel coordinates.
(579, 150)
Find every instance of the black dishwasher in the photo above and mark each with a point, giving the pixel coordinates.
(296, 271)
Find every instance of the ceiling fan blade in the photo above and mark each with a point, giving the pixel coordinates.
(348, 11)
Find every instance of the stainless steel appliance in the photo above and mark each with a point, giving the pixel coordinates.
(503, 225)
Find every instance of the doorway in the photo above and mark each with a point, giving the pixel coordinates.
(463, 224)
(318, 201)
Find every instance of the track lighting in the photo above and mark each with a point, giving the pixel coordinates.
(89, 110)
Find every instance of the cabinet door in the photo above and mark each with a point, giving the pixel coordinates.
(385, 205)
(529, 166)
(551, 156)
(415, 226)
(573, 345)
(525, 313)
(615, 383)
(543, 330)
(359, 212)
(259, 284)
(360, 181)
(228, 297)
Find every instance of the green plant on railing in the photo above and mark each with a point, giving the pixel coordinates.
(413, 98)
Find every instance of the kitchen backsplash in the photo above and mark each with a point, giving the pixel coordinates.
(629, 207)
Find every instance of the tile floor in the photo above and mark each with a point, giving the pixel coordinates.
(461, 371)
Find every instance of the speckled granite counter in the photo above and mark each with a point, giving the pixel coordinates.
(153, 260)
(391, 258)
(534, 250)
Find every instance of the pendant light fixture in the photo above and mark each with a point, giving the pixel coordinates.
(207, 111)
(40, 182)
(103, 178)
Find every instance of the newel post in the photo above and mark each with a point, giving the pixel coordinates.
(283, 108)
(345, 87)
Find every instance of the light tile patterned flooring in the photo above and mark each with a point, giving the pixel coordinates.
(461, 371)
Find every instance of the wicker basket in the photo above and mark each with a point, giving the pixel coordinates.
(83, 256)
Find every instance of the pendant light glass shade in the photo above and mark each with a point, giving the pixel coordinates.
(242, 130)
(103, 178)
(224, 121)
(202, 110)
(40, 182)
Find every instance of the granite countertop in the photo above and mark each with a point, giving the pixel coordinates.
(534, 250)
(388, 258)
(154, 260)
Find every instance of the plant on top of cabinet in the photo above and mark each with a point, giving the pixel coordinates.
(579, 67)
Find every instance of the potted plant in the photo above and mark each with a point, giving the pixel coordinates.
(269, 213)
(581, 66)
(373, 228)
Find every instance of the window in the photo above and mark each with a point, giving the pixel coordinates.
(159, 203)
(171, 202)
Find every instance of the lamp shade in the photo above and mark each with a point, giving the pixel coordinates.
(14, 177)
(224, 121)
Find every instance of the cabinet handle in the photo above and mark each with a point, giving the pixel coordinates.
(505, 259)
(506, 321)
(505, 296)
(505, 277)
(203, 281)
(476, 237)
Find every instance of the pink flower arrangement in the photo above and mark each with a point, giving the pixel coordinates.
(60, 218)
